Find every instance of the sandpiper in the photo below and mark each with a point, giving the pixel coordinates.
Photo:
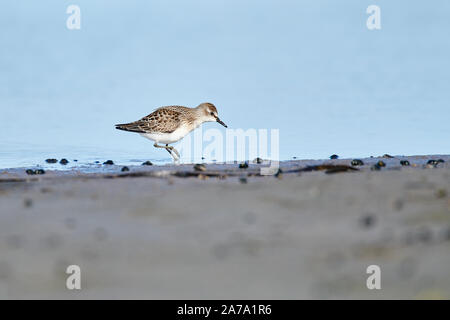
(170, 124)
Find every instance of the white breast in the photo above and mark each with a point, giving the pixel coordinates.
(167, 138)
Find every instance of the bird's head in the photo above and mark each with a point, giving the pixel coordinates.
(209, 113)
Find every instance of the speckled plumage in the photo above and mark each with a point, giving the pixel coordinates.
(171, 123)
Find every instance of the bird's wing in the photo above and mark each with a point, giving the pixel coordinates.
(162, 120)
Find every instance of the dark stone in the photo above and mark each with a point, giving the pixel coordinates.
(368, 221)
(404, 162)
(334, 157)
(434, 162)
(147, 163)
(125, 169)
(199, 167)
(108, 162)
(28, 203)
(357, 162)
(387, 156)
(381, 164)
(40, 171)
(243, 165)
(64, 162)
(258, 160)
(30, 172)
(51, 160)
(97, 161)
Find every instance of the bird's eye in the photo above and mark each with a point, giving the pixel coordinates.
(212, 113)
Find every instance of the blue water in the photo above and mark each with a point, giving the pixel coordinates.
(308, 68)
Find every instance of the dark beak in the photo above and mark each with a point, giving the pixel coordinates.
(221, 122)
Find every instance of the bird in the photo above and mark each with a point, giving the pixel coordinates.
(170, 124)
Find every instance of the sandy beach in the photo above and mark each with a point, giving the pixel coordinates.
(171, 232)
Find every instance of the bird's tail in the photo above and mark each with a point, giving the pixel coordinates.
(131, 127)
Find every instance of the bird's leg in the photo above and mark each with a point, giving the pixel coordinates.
(169, 149)
(173, 149)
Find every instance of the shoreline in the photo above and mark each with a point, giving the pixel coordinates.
(160, 170)
(170, 232)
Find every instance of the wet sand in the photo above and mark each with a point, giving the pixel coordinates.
(170, 232)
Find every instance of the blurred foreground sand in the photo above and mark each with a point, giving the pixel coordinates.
(308, 235)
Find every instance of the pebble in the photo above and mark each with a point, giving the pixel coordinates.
(64, 162)
(28, 203)
(33, 172)
(334, 156)
(108, 162)
(243, 165)
(258, 160)
(368, 221)
(357, 162)
(387, 156)
(199, 167)
(124, 169)
(51, 160)
(147, 163)
(404, 162)
(381, 164)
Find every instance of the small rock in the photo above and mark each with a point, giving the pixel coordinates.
(334, 157)
(387, 156)
(357, 162)
(440, 161)
(199, 167)
(64, 162)
(40, 171)
(28, 203)
(258, 160)
(243, 165)
(147, 163)
(97, 161)
(51, 160)
(381, 164)
(108, 162)
(30, 172)
(404, 162)
(125, 169)
(368, 221)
